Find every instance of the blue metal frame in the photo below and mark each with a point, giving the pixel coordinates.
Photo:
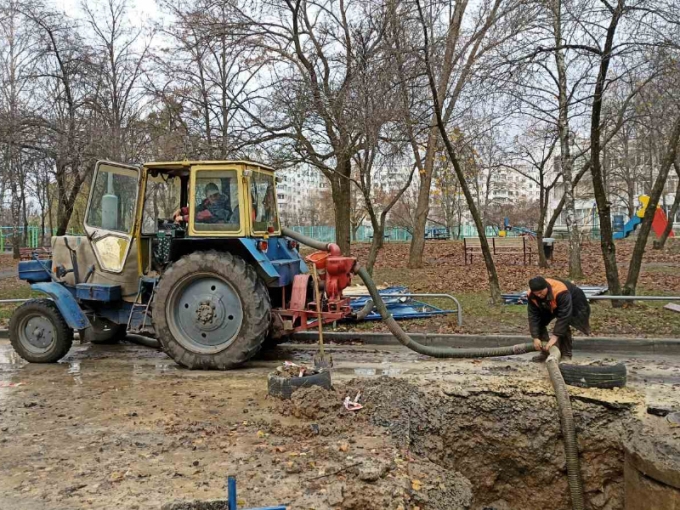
(34, 271)
(66, 302)
(399, 307)
(279, 263)
(232, 500)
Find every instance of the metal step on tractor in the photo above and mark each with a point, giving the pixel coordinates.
(189, 252)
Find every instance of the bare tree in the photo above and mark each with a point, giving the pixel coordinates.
(439, 97)
(17, 60)
(118, 99)
(466, 38)
(315, 52)
(61, 131)
(209, 71)
(531, 157)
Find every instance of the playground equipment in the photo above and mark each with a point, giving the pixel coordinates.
(211, 280)
(659, 222)
(523, 231)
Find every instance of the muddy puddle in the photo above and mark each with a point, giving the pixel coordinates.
(123, 427)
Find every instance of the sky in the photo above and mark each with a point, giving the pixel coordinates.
(141, 10)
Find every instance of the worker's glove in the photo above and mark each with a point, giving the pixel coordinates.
(553, 341)
(537, 344)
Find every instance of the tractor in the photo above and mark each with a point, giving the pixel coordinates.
(191, 253)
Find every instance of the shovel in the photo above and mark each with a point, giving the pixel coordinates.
(320, 359)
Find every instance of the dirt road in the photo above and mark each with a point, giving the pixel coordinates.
(123, 427)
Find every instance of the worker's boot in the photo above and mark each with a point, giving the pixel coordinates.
(565, 345)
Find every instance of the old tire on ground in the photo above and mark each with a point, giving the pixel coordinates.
(211, 311)
(39, 333)
(594, 376)
(283, 387)
(103, 332)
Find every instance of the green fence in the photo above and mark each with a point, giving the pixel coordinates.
(7, 236)
(33, 237)
(392, 234)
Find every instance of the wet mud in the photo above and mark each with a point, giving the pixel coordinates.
(123, 427)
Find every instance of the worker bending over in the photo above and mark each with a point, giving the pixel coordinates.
(560, 300)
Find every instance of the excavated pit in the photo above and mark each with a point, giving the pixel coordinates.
(505, 438)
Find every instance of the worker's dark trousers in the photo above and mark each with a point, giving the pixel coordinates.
(564, 343)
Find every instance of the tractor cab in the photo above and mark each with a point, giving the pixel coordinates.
(195, 202)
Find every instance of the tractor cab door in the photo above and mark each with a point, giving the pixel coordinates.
(111, 213)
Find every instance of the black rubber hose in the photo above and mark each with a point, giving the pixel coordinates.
(303, 239)
(427, 350)
(365, 310)
(568, 429)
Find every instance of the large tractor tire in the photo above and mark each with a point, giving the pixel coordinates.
(39, 333)
(211, 311)
(102, 332)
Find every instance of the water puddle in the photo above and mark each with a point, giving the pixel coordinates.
(9, 357)
(372, 372)
(74, 370)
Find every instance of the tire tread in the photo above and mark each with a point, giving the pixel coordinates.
(256, 310)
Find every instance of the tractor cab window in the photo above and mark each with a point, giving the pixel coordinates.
(263, 200)
(113, 199)
(216, 201)
(161, 199)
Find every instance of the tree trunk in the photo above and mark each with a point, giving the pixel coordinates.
(650, 212)
(659, 245)
(64, 213)
(341, 193)
(376, 245)
(543, 204)
(575, 270)
(415, 257)
(599, 187)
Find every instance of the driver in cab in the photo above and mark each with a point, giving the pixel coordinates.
(215, 208)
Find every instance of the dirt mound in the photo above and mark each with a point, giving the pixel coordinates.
(315, 403)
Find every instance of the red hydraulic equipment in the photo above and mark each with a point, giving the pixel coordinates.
(335, 274)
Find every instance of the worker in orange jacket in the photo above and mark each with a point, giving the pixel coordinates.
(562, 301)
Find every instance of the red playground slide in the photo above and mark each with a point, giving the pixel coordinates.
(659, 223)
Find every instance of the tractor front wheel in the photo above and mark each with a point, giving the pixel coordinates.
(211, 311)
(39, 333)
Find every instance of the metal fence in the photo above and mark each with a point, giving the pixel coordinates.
(392, 234)
(33, 238)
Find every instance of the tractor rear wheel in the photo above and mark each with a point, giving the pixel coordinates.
(211, 311)
(39, 333)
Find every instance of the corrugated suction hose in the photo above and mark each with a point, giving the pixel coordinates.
(428, 350)
(552, 364)
(568, 429)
